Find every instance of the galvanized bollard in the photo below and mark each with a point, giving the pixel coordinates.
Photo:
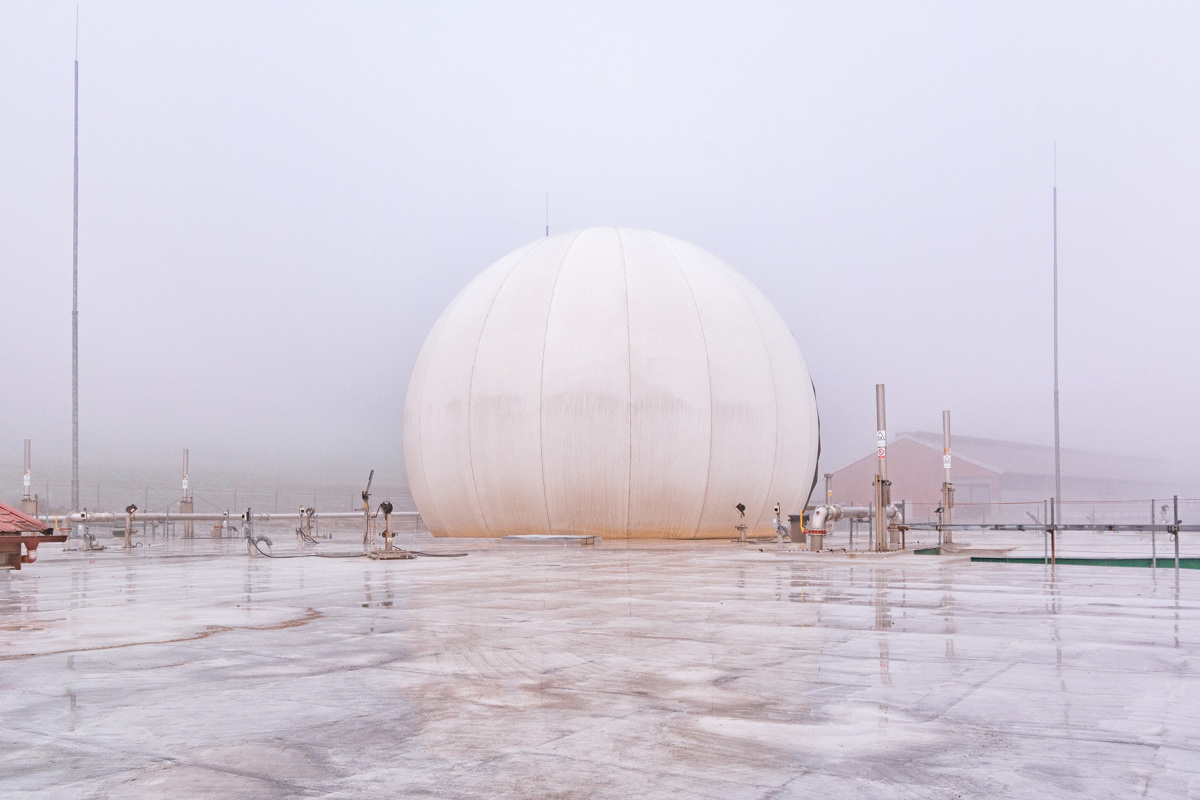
(386, 508)
(130, 510)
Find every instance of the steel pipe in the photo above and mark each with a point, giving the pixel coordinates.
(832, 512)
(159, 516)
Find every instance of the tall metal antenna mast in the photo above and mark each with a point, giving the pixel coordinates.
(75, 297)
(1057, 451)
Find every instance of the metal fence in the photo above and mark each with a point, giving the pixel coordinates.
(1080, 512)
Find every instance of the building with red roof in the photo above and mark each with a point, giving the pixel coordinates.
(20, 535)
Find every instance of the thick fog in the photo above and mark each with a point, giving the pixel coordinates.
(278, 199)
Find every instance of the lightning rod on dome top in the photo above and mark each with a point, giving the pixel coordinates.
(547, 214)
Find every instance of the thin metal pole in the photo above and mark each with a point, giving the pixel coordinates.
(1053, 503)
(1176, 534)
(881, 429)
(185, 500)
(1153, 543)
(947, 491)
(75, 297)
(26, 481)
(1057, 450)
(881, 540)
(946, 444)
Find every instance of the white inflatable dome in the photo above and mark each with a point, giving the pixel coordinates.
(610, 382)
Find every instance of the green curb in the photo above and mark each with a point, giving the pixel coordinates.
(1163, 563)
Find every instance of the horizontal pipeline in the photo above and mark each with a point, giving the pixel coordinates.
(160, 516)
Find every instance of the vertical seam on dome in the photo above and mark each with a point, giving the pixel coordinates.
(542, 382)
(629, 363)
(774, 394)
(708, 364)
(471, 381)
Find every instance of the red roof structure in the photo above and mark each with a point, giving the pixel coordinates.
(19, 530)
(13, 521)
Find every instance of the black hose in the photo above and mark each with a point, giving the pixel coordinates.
(254, 542)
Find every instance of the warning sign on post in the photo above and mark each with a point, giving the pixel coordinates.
(883, 452)
(946, 461)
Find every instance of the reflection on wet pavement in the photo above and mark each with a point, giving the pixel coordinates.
(649, 670)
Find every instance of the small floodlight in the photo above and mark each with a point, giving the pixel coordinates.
(741, 507)
(129, 509)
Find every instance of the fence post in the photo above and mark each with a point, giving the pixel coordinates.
(1153, 540)
(1175, 533)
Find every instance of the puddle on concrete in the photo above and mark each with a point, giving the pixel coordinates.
(672, 671)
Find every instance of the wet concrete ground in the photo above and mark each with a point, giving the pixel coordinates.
(550, 670)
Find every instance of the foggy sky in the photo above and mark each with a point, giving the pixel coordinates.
(278, 199)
